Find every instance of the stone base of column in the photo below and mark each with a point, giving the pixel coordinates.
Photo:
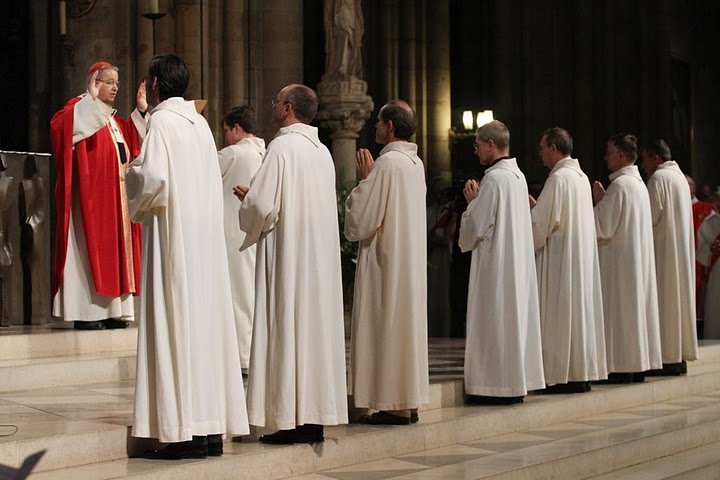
(344, 108)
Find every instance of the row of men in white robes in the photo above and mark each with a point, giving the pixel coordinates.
(561, 295)
(189, 390)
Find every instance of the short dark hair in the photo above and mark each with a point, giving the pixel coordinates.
(627, 144)
(172, 73)
(660, 148)
(402, 116)
(560, 138)
(304, 101)
(243, 116)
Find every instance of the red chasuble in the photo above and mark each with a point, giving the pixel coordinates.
(94, 170)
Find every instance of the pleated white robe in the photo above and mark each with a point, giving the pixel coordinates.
(238, 165)
(188, 365)
(571, 315)
(297, 362)
(707, 234)
(674, 242)
(388, 344)
(503, 353)
(627, 272)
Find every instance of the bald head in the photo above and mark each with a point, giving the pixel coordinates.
(402, 117)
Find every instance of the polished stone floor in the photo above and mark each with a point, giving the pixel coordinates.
(106, 408)
(505, 453)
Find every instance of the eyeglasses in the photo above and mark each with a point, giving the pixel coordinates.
(275, 101)
(110, 83)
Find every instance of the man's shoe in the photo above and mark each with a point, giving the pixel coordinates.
(669, 370)
(215, 445)
(99, 325)
(638, 377)
(414, 418)
(487, 400)
(195, 448)
(114, 323)
(570, 387)
(385, 418)
(307, 433)
(617, 378)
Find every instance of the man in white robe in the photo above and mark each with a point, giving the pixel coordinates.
(571, 315)
(297, 364)
(708, 253)
(672, 219)
(503, 353)
(627, 266)
(386, 214)
(238, 163)
(188, 389)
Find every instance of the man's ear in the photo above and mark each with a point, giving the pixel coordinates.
(391, 127)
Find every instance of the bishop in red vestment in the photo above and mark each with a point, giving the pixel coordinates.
(97, 252)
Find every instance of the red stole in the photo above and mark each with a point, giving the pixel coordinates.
(92, 168)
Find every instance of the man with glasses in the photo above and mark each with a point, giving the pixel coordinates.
(573, 335)
(297, 363)
(386, 214)
(503, 359)
(97, 252)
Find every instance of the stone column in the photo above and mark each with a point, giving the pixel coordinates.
(344, 103)
(344, 107)
(438, 114)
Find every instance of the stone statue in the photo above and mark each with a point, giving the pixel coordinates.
(344, 29)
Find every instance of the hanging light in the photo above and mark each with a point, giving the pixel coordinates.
(467, 119)
(486, 116)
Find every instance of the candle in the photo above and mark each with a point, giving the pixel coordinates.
(154, 6)
(63, 18)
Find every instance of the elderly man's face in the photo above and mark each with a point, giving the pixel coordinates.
(109, 85)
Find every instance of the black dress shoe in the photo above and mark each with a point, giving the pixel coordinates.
(307, 433)
(99, 325)
(195, 448)
(215, 445)
(638, 377)
(487, 400)
(385, 418)
(414, 418)
(570, 387)
(669, 370)
(617, 378)
(114, 323)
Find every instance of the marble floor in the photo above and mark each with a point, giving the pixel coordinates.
(556, 446)
(74, 409)
(105, 410)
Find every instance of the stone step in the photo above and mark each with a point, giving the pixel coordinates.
(352, 444)
(81, 369)
(699, 463)
(60, 339)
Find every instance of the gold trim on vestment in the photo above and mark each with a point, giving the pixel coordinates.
(117, 135)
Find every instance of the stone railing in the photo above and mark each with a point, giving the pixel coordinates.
(25, 231)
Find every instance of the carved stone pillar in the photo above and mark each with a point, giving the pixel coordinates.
(344, 107)
(344, 103)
